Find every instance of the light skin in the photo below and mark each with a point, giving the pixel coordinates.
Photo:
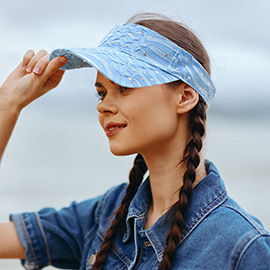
(33, 77)
(151, 121)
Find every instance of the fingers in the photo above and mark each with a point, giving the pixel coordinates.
(54, 66)
(47, 73)
(26, 59)
(31, 59)
(37, 63)
(41, 64)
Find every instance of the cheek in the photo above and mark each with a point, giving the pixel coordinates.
(152, 121)
(101, 120)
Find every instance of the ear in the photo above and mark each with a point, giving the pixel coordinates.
(187, 98)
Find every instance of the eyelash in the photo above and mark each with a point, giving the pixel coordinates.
(123, 89)
(101, 94)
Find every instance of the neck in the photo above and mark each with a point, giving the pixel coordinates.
(166, 178)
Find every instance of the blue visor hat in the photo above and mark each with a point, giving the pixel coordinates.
(134, 56)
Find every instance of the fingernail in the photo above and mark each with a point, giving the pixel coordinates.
(37, 70)
(63, 59)
(24, 67)
(29, 69)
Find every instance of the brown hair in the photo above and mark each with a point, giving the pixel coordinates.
(184, 38)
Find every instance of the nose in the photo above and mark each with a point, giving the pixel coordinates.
(107, 106)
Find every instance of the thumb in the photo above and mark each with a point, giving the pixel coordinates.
(54, 66)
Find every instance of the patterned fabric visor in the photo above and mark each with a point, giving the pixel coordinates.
(134, 56)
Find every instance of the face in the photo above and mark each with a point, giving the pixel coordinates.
(137, 120)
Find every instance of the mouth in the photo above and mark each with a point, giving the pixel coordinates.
(112, 129)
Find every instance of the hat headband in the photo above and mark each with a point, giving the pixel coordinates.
(134, 56)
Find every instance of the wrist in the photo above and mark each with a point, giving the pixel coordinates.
(9, 105)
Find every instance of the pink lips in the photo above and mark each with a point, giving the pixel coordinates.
(113, 128)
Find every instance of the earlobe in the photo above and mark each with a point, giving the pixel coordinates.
(187, 100)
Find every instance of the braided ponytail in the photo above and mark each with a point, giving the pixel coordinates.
(192, 157)
(135, 179)
(184, 38)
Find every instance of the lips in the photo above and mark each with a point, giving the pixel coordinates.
(112, 128)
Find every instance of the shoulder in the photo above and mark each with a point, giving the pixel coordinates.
(248, 240)
(109, 202)
(254, 254)
(236, 217)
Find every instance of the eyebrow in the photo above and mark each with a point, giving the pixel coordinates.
(97, 84)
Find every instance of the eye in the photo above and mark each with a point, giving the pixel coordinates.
(101, 94)
(123, 89)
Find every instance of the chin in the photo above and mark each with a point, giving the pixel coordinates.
(119, 151)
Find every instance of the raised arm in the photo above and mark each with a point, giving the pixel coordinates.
(34, 77)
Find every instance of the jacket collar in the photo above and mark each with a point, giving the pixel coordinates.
(207, 195)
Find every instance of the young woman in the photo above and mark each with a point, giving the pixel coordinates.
(154, 86)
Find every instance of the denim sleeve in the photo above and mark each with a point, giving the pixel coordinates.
(56, 238)
(256, 255)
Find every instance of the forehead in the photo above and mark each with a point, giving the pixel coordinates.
(101, 80)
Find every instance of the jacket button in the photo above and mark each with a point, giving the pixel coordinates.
(92, 259)
(147, 244)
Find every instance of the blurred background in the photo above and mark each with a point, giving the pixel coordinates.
(58, 153)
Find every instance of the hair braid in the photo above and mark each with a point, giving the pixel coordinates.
(186, 39)
(135, 179)
(191, 154)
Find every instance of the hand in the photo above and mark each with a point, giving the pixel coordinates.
(34, 77)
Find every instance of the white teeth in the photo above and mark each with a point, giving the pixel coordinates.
(112, 128)
(115, 127)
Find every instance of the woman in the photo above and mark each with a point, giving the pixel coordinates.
(154, 87)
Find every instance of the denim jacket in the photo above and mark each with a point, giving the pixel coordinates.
(218, 234)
